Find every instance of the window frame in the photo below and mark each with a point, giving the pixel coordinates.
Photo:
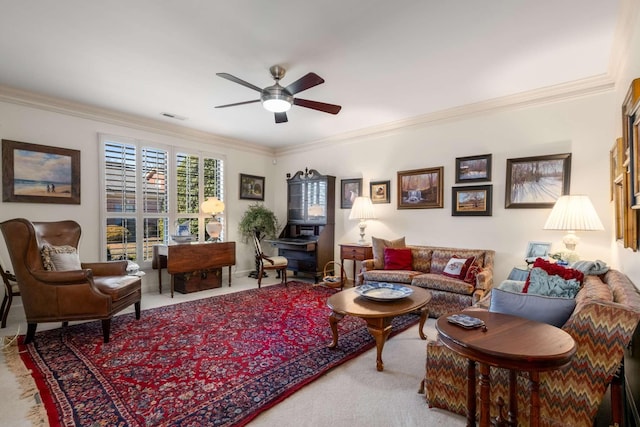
(172, 209)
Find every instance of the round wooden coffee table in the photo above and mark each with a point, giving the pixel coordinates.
(377, 314)
(509, 342)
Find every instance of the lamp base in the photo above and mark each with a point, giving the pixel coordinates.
(213, 230)
(362, 226)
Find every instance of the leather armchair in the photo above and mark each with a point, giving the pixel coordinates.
(95, 291)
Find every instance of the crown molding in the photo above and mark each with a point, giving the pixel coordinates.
(57, 105)
(551, 94)
(623, 33)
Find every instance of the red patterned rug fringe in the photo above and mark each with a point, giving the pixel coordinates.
(218, 361)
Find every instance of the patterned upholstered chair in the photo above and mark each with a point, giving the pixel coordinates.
(70, 290)
(606, 314)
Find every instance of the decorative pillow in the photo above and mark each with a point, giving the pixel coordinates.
(397, 259)
(378, 246)
(457, 267)
(60, 258)
(554, 311)
(472, 273)
(543, 283)
(555, 270)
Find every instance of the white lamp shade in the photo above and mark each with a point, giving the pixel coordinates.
(573, 213)
(362, 209)
(212, 206)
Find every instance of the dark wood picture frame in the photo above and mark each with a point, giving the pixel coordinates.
(349, 190)
(380, 191)
(528, 177)
(34, 173)
(475, 200)
(421, 188)
(251, 187)
(473, 168)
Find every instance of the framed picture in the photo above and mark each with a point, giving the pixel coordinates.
(537, 182)
(420, 188)
(380, 191)
(251, 187)
(473, 168)
(33, 173)
(472, 200)
(349, 190)
(537, 250)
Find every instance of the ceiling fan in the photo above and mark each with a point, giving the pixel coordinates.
(278, 99)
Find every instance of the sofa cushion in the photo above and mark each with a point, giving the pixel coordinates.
(441, 257)
(551, 310)
(397, 259)
(378, 246)
(442, 283)
(60, 258)
(421, 258)
(390, 276)
(457, 267)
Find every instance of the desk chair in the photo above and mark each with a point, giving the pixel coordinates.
(278, 263)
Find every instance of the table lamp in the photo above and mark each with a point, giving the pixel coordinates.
(573, 213)
(213, 206)
(362, 210)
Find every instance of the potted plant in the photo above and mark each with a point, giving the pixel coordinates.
(259, 221)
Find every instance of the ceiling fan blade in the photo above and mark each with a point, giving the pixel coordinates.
(239, 81)
(237, 103)
(320, 106)
(304, 83)
(281, 117)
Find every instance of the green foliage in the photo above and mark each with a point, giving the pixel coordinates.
(258, 219)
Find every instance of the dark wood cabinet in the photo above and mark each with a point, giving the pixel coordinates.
(307, 240)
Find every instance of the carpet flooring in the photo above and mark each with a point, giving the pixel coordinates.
(218, 361)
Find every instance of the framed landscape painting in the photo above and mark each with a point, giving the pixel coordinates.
(349, 190)
(537, 182)
(471, 200)
(33, 173)
(251, 187)
(380, 191)
(420, 188)
(473, 168)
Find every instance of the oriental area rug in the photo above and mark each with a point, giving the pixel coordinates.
(217, 361)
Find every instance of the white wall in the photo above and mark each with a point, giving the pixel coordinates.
(37, 126)
(583, 127)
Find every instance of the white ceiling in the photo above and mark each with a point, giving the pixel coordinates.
(383, 61)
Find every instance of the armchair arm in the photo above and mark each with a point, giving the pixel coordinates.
(484, 279)
(63, 277)
(109, 268)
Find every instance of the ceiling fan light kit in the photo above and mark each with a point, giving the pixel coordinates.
(278, 99)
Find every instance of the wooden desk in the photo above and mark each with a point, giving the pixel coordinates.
(355, 252)
(189, 257)
(508, 342)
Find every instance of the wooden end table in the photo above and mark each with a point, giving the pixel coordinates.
(509, 342)
(355, 252)
(378, 315)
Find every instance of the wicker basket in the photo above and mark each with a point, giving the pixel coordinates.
(333, 281)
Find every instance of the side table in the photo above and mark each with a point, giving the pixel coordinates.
(355, 252)
(509, 342)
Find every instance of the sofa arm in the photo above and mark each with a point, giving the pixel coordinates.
(484, 280)
(367, 264)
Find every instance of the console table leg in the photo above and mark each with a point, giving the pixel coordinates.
(471, 393)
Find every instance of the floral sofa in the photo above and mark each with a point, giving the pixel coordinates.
(606, 313)
(425, 268)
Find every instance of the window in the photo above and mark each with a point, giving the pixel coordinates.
(144, 201)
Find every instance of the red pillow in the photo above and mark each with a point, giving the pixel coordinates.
(398, 259)
(553, 269)
(472, 273)
(455, 270)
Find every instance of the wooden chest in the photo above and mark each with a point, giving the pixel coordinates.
(198, 280)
